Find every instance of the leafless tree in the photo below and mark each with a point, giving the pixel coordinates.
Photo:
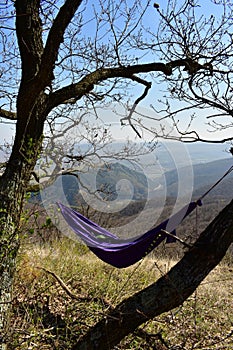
(61, 59)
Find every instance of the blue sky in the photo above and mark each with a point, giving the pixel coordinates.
(7, 131)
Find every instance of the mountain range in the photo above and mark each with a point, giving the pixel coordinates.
(120, 180)
(115, 181)
(204, 176)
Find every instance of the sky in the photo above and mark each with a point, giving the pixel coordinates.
(7, 132)
(119, 132)
(179, 153)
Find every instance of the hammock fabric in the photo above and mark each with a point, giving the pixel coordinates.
(118, 252)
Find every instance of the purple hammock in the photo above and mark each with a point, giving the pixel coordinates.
(121, 252)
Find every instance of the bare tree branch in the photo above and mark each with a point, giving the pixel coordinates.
(56, 37)
(7, 114)
(140, 98)
(84, 86)
(207, 101)
(29, 34)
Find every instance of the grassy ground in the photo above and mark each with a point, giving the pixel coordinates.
(61, 289)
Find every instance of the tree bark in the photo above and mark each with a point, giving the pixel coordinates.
(13, 186)
(31, 111)
(8, 251)
(169, 291)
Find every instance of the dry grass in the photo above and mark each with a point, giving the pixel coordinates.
(46, 316)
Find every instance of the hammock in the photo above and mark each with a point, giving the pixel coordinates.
(123, 253)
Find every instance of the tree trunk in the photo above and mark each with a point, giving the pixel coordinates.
(169, 291)
(32, 110)
(9, 243)
(8, 252)
(12, 191)
(13, 186)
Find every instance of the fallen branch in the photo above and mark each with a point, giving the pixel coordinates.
(69, 292)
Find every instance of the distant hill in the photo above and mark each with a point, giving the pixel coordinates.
(115, 178)
(109, 182)
(205, 175)
(112, 181)
(208, 152)
(223, 190)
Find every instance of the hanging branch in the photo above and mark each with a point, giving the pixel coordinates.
(140, 98)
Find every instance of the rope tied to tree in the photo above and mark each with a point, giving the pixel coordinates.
(216, 183)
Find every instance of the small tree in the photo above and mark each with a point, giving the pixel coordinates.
(61, 57)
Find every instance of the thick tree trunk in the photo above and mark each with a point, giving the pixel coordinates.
(13, 185)
(8, 252)
(10, 194)
(12, 190)
(169, 291)
(37, 65)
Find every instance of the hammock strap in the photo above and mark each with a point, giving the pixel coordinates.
(216, 183)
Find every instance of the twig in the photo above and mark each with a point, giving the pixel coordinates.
(178, 239)
(63, 285)
(68, 291)
(140, 98)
